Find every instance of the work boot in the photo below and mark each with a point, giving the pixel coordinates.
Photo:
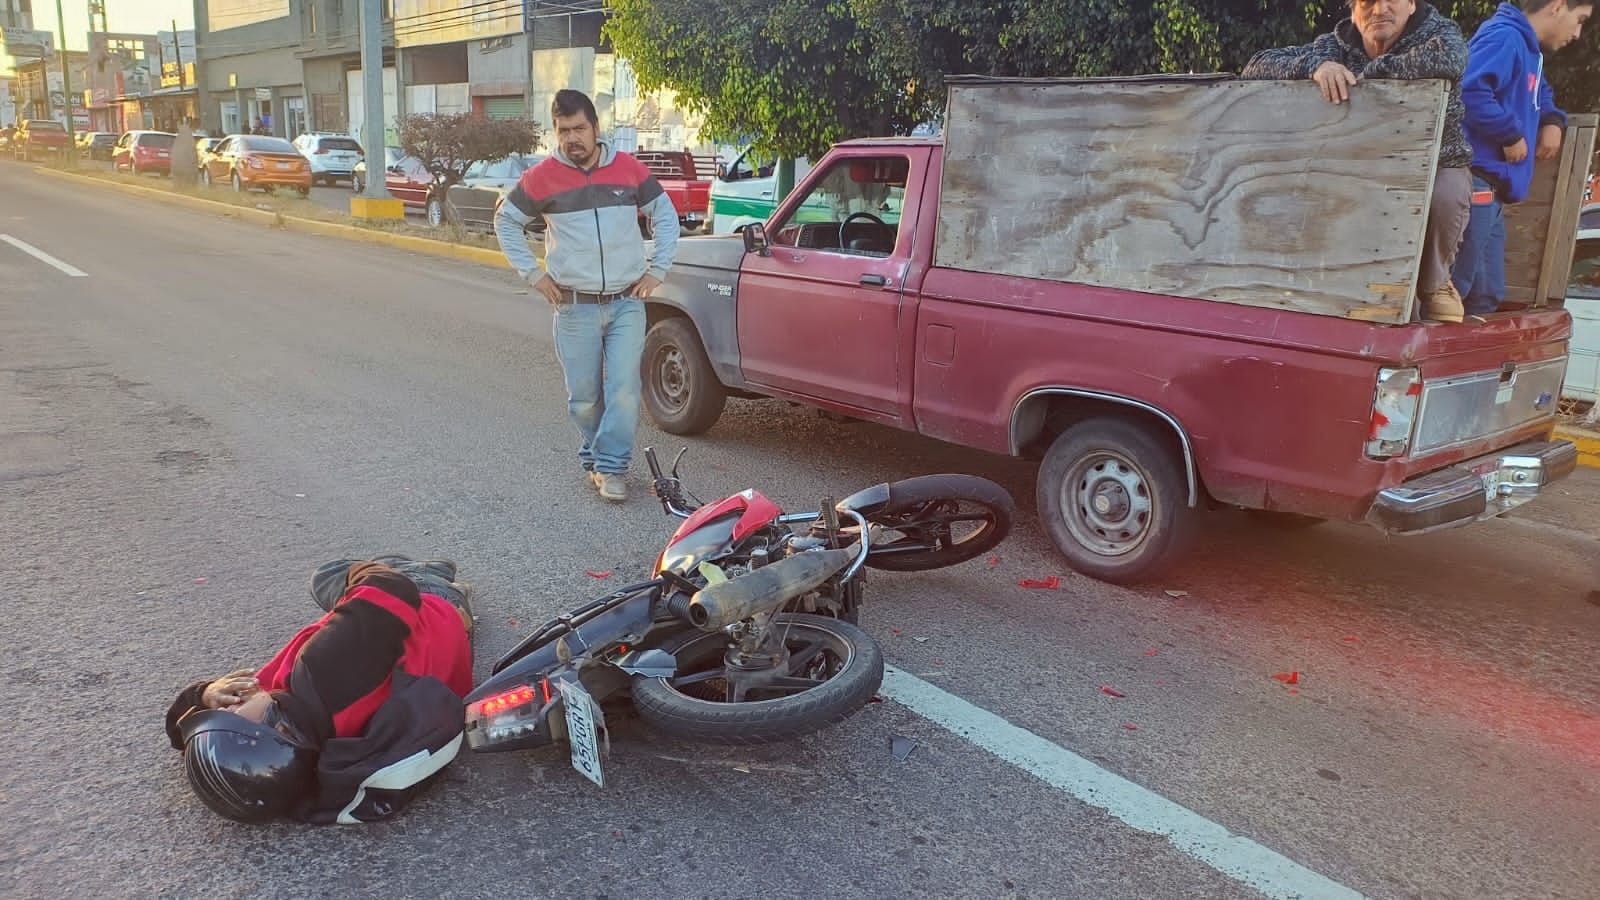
(1444, 304)
(610, 485)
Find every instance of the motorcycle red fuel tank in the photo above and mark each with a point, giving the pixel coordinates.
(714, 528)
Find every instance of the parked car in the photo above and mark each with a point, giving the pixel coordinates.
(139, 152)
(474, 200)
(404, 176)
(96, 144)
(39, 136)
(248, 161)
(332, 156)
(203, 148)
(1583, 302)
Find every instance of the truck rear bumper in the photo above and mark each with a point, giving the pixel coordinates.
(1477, 489)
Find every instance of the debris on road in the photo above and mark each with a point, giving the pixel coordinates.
(901, 747)
(1109, 690)
(605, 574)
(1052, 583)
(1151, 652)
(1177, 593)
(1287, 677)
(199, 581)
(742, 767)
(1130, 726)
(994, 560)
(920, 640)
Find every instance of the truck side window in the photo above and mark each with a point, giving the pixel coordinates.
(743, 168)
(854, 207)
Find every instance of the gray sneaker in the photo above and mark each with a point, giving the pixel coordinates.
(610, 485)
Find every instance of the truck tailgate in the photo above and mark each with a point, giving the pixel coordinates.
(1486, 386)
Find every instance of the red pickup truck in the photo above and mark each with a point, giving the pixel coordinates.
(39, 136)
(868, 294)
(687, 180)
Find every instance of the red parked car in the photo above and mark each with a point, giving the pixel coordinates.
(139, 152)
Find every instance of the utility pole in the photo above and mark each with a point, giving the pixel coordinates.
(70, 156)
(177, 54)
(374, 201)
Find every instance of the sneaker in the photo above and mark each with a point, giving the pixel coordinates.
(1444, 304)
(610, 485)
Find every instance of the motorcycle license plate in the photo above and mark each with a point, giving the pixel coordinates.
(581, 731)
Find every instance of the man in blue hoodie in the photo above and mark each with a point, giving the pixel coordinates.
(1511, 119)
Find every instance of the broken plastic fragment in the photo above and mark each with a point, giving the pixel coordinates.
(920, 640)
(742, 768)
(994, 560)
(199, 581)
(1052, 583)
(901, 747)
(1130, 726)
(1287, 677)
(1151, 652)
(1112, 691)
(605, 574)
(1177, 593)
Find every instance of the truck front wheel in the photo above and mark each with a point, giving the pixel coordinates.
(1114, 499)
(681, 392)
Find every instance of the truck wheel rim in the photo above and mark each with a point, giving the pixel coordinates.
(671, 384)
(1106, 502)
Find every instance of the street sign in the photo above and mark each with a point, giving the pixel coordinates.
(22, 42)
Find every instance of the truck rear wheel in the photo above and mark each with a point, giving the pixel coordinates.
(1114, 499)
(681, 392)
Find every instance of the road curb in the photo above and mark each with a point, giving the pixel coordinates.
(1588, 445)
(309, 226)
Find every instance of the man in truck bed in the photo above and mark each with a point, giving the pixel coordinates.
(1399, 39)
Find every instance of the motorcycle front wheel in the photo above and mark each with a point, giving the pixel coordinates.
(935, 521)
(832, 670)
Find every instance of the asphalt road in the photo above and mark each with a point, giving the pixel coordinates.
(216, 407)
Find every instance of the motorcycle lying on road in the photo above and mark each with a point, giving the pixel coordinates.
(746, 634)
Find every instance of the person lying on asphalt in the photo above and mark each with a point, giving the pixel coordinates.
(353, 716)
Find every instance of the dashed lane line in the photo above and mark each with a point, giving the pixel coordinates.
(43, 257)
(1235, 856)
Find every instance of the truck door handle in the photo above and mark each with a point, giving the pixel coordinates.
(874, 280)
(766, 193)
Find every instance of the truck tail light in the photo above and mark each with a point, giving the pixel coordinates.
(1394, 412)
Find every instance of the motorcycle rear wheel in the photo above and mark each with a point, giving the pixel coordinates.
(958, 517)
(839, 669)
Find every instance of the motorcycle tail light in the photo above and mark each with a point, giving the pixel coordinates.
(510, 716)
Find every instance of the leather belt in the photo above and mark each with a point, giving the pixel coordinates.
(571, 296)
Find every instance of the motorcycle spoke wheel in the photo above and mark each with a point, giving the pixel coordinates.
(939, 520)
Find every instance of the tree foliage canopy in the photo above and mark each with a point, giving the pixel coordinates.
(448, 144)
(798, 75)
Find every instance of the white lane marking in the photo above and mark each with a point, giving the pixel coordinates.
(42, 256)
(1237, 857)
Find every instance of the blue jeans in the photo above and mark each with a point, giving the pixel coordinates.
(599, 345)
(1480, 267)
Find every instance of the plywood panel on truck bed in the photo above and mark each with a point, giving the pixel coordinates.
(1252, 192)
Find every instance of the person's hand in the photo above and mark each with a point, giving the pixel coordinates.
(230, 690)
(1335, 81)
(547, 286)
(1516, 152)
(1549, 146)
(644, 287)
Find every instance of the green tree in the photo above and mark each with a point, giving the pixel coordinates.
(448, 144)
(798, 75)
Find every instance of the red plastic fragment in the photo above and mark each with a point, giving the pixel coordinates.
(1287, 677)
(1151, 652)
(1052, 583)
(994, 560)
(512, 622)
(1351, 638)
(1130, 726)
(897, 631)
(605, 574)
(1112, 691)
(1294, 690)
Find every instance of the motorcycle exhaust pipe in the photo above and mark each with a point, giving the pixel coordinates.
(719, 605)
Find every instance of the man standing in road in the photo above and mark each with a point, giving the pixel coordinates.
(1510, 109)
(597, 272)
(1402, 39)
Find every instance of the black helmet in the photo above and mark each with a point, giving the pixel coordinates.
(247, 771)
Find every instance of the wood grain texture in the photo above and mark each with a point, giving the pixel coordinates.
(1252, 192)
(1540, 230)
